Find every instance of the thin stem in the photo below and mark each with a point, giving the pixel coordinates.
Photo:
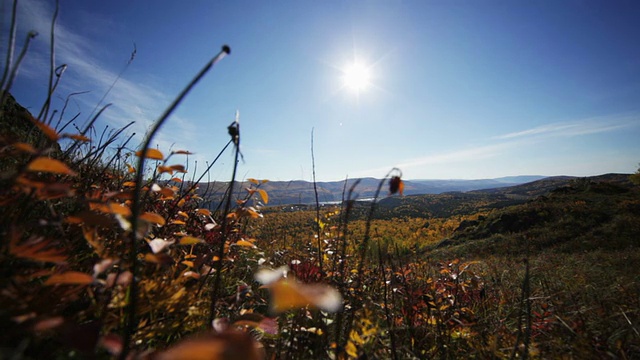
(131, 323)
(315, 190)
(223, 226)
(44, 113)
(12, 43)
(14, 71)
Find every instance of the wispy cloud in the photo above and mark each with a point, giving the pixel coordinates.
(132, 101)
(577, 128)
(502, 144)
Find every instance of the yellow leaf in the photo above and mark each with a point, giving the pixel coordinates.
(245, 243)
(289, 294)
(264, 196)
(190, 240)
(151, 154)
(70, 278)
(45, 164)
(153, 218)
(253, 181)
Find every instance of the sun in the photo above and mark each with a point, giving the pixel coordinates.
(357, 77)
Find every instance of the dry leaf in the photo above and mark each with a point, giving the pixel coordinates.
(205, 212)
(151, 154)
(45, 164)
(24, 147)
(245, 243)
(70, 278)
(182, 152)
(228, 345)
(264, 196)
(46, 129)
(289, 294)
(190, 240)
(153, 218)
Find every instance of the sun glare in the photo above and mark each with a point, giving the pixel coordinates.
(356, 77)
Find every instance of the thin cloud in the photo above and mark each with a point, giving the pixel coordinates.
(132, 101)
(518, 140)
(578, 128)
(458, 156)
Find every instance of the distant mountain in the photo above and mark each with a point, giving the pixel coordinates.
(302, 192)
(546, 185)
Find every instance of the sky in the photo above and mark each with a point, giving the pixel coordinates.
(456, 89)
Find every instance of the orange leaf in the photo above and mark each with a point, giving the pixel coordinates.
(176, 179)
(178, 168)
(130, 168)
(225, 345)
(70, 278)
(37, 250)
(162, 259)
(91, 235)
(111, 208)
(190, 240)
(48, 324)
(24, 147)
(151, 154)
(182, 152)
(45, 164)
(46, 129)
(153, 218)
(177, 222)
(77, 137)
(129, 184)
(204, 212)
(264, 196)
(165, 169)
(183, 214)
(253, 181)
(181, 202)
(188, 263)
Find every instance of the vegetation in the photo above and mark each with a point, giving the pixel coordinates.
(110, 252)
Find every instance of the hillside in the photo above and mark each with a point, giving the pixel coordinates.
(302, 192)
(577, 215)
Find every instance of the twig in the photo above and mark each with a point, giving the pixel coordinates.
(130, 312)
(315, 190)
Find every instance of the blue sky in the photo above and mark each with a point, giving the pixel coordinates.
(458, 89)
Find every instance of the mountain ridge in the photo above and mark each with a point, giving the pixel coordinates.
(302, 192)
